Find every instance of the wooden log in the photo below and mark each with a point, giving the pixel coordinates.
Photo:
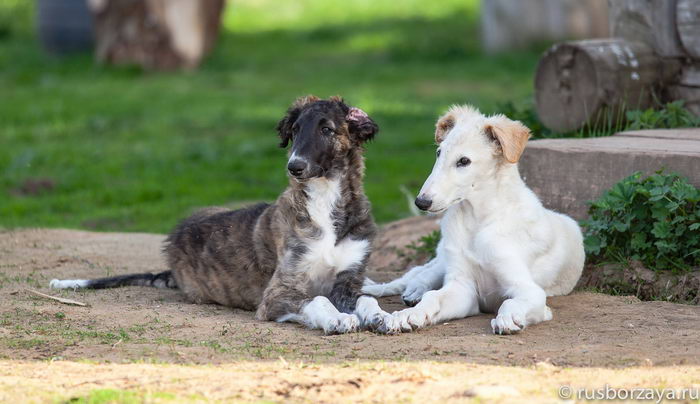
(155, 34)
(588, 82)
(688, 20)
(650, 21)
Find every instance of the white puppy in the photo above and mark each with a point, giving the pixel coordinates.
(501, 250)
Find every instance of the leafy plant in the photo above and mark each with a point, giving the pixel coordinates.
(425, 246)
(672, 115)
(655, 220)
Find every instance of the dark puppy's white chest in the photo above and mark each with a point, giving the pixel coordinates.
(326, 256)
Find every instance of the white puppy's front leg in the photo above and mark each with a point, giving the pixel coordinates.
(456, 299)
(526, 306)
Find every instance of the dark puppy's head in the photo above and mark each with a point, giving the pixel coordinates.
(322, 133)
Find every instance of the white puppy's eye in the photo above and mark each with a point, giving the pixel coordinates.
(438, 152)
(463, 162)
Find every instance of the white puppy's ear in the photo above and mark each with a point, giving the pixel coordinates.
(443, 125)
(511, 136)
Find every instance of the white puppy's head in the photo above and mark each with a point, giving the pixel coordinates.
(472, 149)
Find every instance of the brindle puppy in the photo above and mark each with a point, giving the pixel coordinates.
(300, 259)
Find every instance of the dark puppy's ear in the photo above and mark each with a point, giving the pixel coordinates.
(284, 126)
(360, 125)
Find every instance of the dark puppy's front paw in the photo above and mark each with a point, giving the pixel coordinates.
(383, 324)
(344, 324)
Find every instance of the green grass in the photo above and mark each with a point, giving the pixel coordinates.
(122, 149)
(111, 396)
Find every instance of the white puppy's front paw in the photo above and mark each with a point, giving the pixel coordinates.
(344, 324)
(508, 323)
(410, 319)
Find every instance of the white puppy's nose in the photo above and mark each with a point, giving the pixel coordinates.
(423, 202)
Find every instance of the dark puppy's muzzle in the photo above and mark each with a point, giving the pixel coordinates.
(423, 203)
(297, 167)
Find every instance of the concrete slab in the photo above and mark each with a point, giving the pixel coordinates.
(567, 173)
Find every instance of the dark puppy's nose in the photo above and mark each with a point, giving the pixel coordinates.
(423, 203)
(296, 167)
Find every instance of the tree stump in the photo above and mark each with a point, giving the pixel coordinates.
(155, 34)
(593, 81)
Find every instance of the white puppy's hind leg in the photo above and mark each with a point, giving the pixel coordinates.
(417, 278)
(392, 288)
(395, 287)
(320, 313)
(429, 279)
(454, 300)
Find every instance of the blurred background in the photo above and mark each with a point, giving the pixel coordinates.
(127, 115)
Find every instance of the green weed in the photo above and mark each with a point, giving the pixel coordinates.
(426, 246)
(655, 220)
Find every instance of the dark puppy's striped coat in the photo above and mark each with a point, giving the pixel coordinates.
(302, 258)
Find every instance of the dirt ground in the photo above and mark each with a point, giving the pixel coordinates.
(137, 330)
(373, 382)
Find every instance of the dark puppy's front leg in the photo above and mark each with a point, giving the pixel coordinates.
(286, 299)
(346, 289)
(281, 298)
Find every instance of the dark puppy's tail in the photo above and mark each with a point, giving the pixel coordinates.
(162, 280)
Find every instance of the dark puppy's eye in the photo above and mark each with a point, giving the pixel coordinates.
(326, 130)
(463, 162)
(295, 129)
